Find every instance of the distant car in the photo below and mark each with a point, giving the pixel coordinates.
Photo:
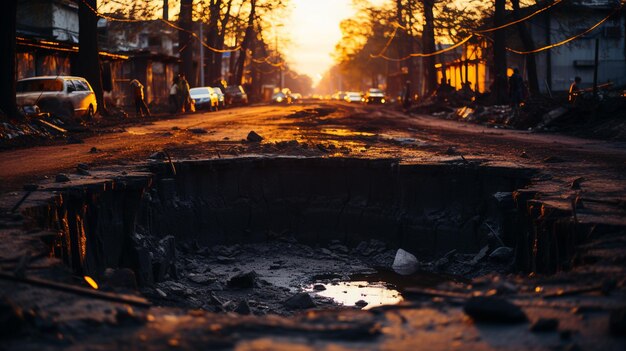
(221, 101)
(204, 98)
(235, 95)
(63, 96)
(282, 98)
(353, 96)
(375, 96)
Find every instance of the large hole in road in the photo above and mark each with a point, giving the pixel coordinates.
(249, 234)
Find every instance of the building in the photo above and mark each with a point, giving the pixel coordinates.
(558, 66)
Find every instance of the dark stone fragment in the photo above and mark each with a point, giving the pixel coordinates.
(254, 137)
(198, 131)
(74, 140)
(617, 322)
(361, 303)
(93, 150)
(319, 287)
(491, 309)
(62, 178)
(242, 308)
(243, 280)
(299, 301)
(544, 325)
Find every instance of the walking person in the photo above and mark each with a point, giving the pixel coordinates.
(183, 94)
(141, 109)
(174, 104)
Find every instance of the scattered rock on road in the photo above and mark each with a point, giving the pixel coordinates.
(243, 280)
(491, 309)
(299, 301)
(254, 137)
(62, 178)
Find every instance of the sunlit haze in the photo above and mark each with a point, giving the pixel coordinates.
(314, 31)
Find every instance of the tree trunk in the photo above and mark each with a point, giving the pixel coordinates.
(499, 54)
(428, 43)
(185, 46)
(7, 60)
(89, 66)
(214, 13)
(245, 44)
(529, 45)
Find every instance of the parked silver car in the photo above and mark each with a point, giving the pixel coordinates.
(65, 96)
(204, 98)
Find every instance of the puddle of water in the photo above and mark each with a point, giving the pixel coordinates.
(378, 288)
(348, 293)
(345, 132)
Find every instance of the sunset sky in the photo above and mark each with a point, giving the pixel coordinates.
(314, 31)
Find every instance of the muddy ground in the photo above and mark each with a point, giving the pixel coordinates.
(249, 296)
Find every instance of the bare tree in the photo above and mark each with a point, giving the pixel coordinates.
(88, 65)
(245, 44)
(529, 45)
(7, 59)
(428, 44)
(185, 40)
(499, 54)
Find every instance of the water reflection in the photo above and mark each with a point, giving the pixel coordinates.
(353, 293)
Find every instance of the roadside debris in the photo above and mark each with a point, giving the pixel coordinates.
(405, 263)
(491, 309)
(253, 137)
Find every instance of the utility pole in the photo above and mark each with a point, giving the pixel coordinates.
(201, 55)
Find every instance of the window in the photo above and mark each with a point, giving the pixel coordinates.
(35, 85)
(80, 85)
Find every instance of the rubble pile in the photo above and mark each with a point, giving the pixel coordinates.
(603, 117)
(15, 133)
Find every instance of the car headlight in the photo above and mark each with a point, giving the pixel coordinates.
(382, 101)
(279, 99)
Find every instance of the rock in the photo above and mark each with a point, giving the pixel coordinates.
(617, 322)
(299, 301)
(62, 178)
(11, 318)
(198, 131)
(405, 263)
(93, 150)
(361, 303)
(253, 137)
(82, 166)
(502, 254)
(161, 292)
(243, 280)
(544, 325)
(242, 308)
(319, 287)
(491, 309)
(451, 151)
(524, 155)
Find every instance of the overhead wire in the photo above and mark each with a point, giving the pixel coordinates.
(482, 32)
(127, 20)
